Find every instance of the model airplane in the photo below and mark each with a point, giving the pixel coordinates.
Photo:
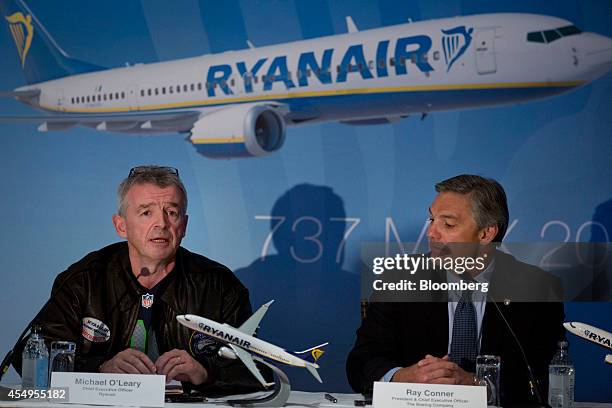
(240, 343)
(593, 334)
(238, 104)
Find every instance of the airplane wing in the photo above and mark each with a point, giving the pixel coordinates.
(220, 131)
(128, 121)
(98, 117)
(247, 359)
(252, 322)
(162, 121)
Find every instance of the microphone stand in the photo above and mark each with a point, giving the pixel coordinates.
(534, 385)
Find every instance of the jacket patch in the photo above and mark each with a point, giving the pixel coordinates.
(95, 330)
(201, 345)
(147, 301)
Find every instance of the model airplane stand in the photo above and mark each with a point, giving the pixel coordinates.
(278, 398)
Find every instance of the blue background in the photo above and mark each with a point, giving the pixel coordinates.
(554, 157)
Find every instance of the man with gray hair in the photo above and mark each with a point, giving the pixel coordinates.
(437, 341)
(119, 304)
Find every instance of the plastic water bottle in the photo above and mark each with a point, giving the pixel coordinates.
(561, 379)
(35, 362)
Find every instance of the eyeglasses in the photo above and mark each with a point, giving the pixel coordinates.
(146, 169)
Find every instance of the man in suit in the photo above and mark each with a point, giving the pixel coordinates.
(437, 341)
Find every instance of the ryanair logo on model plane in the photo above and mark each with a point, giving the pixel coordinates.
(22, 31)
(224, 336)
(604, 341)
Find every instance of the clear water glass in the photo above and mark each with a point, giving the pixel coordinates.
(487, 374)
(62, 355)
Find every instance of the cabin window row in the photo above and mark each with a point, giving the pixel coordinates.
(171, 89)
(76, 100)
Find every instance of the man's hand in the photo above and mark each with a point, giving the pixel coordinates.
(179, 365)
(129, 361)
(434, 370)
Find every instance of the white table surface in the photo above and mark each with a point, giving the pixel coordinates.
(297, 399)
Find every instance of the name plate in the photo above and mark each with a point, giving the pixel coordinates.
(395, 394)
(112, 389)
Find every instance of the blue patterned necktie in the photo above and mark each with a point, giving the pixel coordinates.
(464, 343)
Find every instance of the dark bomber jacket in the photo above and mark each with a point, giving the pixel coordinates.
(102, 286)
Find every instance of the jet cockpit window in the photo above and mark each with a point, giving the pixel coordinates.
(549, 36)
(568, 30)
(536, 36)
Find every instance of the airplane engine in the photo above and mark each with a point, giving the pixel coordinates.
(247, 130)
(228, 353)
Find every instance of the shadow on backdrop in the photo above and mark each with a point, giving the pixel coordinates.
(588, 357)
(601, 227)
(315, 299)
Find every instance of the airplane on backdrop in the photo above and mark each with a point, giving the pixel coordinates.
(239, 103)
(592, 334)
(240, 343)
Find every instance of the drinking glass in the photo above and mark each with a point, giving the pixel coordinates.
(487, 374)
(62, 356)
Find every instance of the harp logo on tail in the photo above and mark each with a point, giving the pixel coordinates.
(317, 353)
(455, 42)
(22, 31)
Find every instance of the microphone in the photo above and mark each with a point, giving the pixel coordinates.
(534, 385)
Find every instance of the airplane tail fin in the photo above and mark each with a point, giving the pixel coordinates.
(40, 57)
(312, 354)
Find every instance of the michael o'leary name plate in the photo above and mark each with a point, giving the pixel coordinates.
(406, 395)
(112, 389)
